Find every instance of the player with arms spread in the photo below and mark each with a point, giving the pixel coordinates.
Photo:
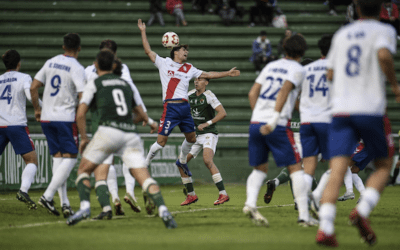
(203, 104)
(63, 78)
(358, 62)
(14, 90)
(115, 102)
(175, 75)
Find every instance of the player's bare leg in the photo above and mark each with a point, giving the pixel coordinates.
(375, 186)
(27, 178)
(253, 186)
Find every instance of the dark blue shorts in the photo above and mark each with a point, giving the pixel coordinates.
(314, 139)
(361, 156)
(61, 137)
(176, 114)
(375, 131)
(19, 138)
(280, 142)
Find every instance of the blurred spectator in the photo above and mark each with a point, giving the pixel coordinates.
(228, 11)
(262, 52)
(333, 3)
(201, 5)
(155, 10)
(351, 14)
(390, 14)
(288, 33)
(263, 12)
(175, 7)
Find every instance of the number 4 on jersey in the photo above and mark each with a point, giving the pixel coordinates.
(6, 95)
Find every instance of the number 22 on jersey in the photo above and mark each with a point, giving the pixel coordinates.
(272, 91)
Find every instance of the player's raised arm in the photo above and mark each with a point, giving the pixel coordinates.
(35, 97)
(213, 75)
(146, 46)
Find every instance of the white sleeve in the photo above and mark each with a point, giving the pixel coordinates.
(41, 75)
(387, 40)
(88, 93)
(159, 61)
(262, 76)
(78, 77)
(137, 97)
(196, 72)
(212, 100)
(296, 76)
(27, 82)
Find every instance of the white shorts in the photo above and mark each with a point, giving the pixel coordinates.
(208, 140)
(107, 141)
(109, 160)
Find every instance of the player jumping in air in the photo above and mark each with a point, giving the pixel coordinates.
(63, 78)
(358, 62)
(203, 104)
(14, 90)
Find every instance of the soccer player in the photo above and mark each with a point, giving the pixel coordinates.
(203, 104)
(111, 175)
(358, 62)
(115, 102)
(272, 99)
(14, 90)
(175, 75)
(63, 78)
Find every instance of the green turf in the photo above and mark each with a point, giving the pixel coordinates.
(200, 226)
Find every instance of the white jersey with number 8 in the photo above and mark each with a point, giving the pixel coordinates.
(63, 78)
(358, 81)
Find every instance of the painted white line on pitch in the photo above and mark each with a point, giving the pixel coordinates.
(123, 217)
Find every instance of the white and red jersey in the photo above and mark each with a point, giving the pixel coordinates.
(63, 78)
(358, 80)
(13, 98)
(271, 80)
(91, 73)
(175, 78)
(315, 94)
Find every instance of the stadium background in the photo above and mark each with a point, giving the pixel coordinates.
(35, 28)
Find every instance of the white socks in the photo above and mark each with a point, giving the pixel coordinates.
(85, 204)
(253, 185)
(161, 210)
(62, 190)
(369, 199)
(59, 177)
(327, 214)
(218, 178)
(300, 194)
(112, 183)
(358, 183)
(152, 152)
(28, 176)
(348, 181)
(276, 182)
(186, 146)
(308, 180)
(129, 181)
(317, 193)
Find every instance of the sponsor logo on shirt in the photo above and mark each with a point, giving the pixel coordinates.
(170, 73)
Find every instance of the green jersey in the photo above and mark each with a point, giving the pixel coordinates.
(202, 108)
(111, 102)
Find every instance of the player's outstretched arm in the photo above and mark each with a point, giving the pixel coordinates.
(146, 46)
(35, 98)
(387, 65)
(213, 75)
(81, 123)
(221, 114)
(280, 102)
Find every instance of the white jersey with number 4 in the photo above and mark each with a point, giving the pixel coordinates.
(13, 98)
(91, 73)
(63, 78)
(271, 79)
(314, 101)
(358, 81)
(175, 78)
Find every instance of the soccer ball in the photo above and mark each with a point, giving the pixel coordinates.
(170, 39)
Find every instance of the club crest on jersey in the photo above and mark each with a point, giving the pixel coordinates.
(201, 101)
(170, 73)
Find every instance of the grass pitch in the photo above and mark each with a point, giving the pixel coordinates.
(200, 226)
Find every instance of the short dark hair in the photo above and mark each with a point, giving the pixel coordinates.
(325, 43)
(118, 67)
(172, 54)
(105, 60)
(11, 59)
(295, 46)
(370, 8)
(72, 41)
(263, 33)
(110, 44)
